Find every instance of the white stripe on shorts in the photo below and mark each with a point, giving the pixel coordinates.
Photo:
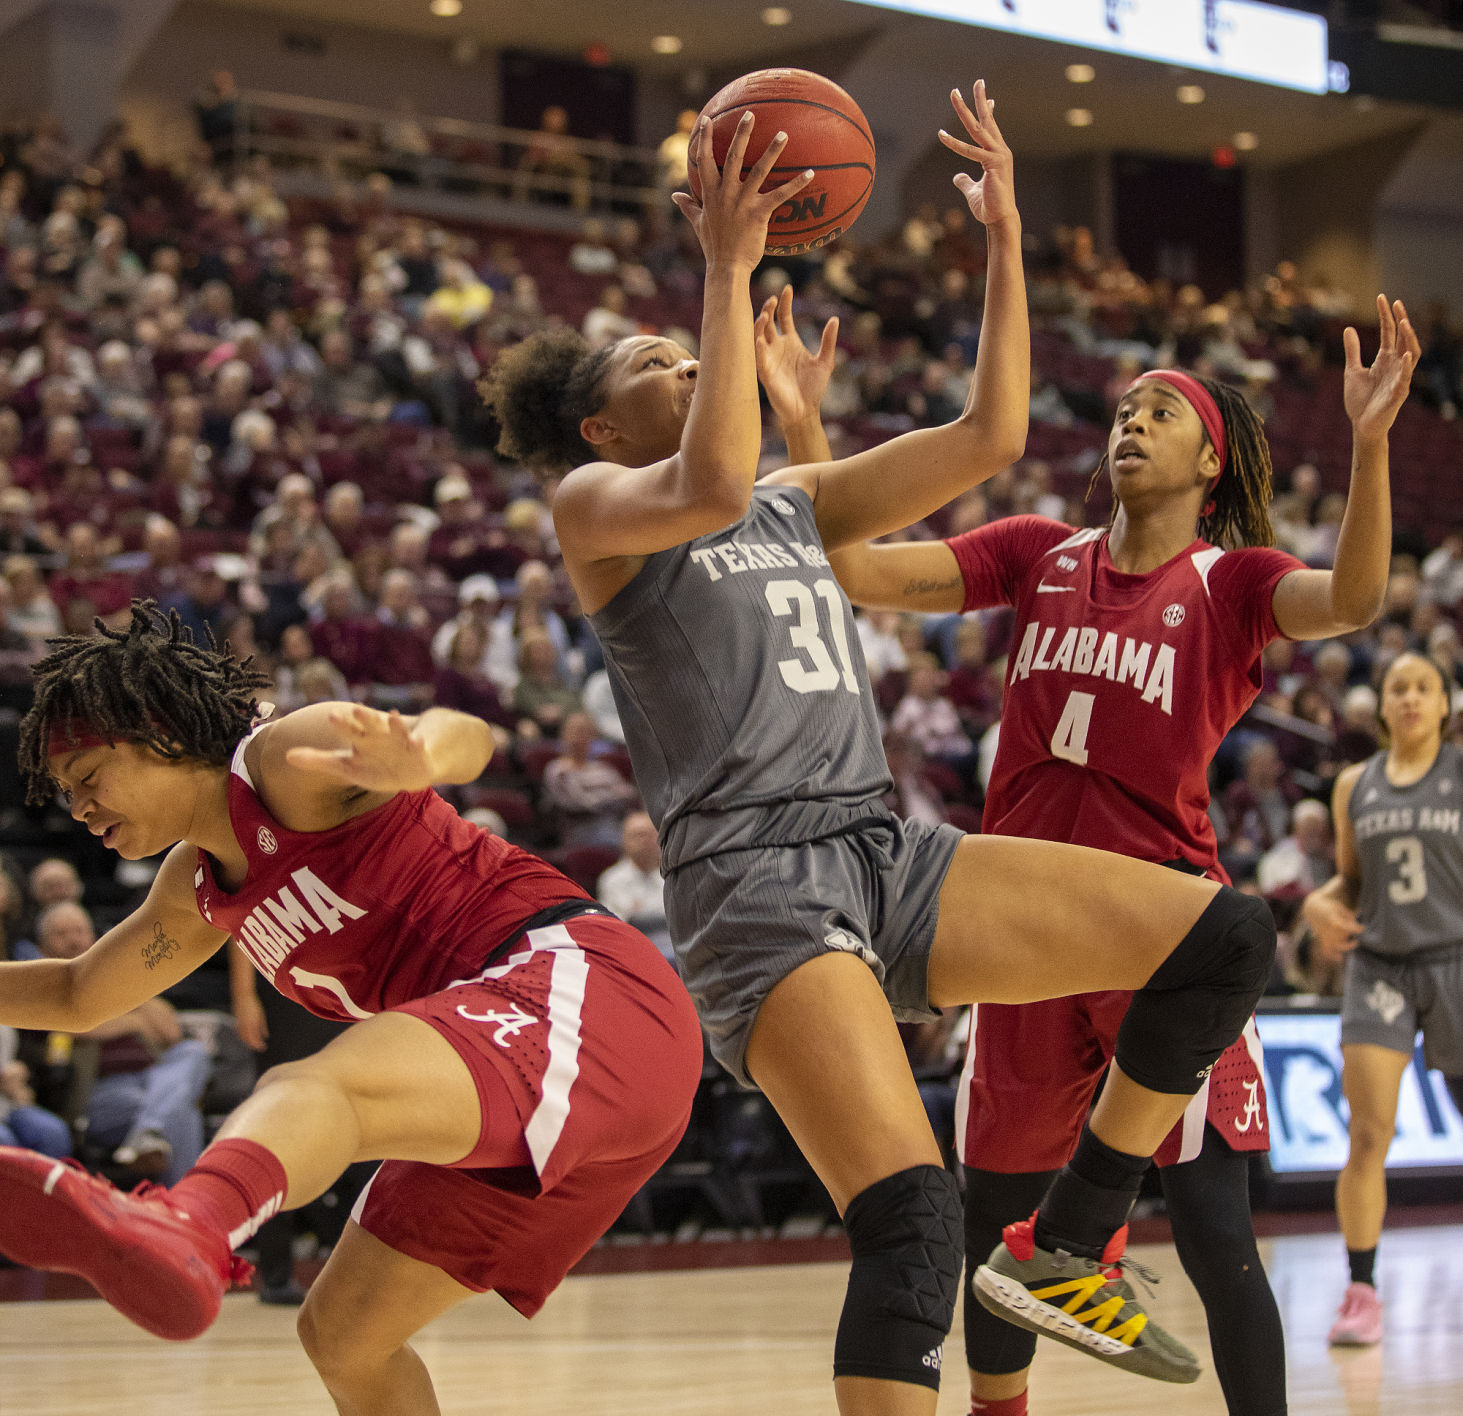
(568, 974)
(962, 1095)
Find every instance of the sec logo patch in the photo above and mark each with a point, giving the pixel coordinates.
(1173, 616)
(266, 840)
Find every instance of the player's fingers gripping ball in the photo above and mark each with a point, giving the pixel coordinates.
(826, 131)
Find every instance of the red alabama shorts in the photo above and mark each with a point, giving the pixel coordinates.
(593, 1037)
(1031, 1070)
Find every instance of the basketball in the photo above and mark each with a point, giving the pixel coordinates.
(826, 130)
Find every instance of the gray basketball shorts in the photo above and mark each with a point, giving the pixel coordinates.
(741, 921)
(1386, 1001)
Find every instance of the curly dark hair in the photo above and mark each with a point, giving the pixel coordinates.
(148, 683)
(1241, 497)
(540, 390)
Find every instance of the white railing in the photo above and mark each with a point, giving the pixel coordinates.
(350, 140)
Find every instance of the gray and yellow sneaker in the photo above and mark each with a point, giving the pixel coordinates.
(1086, 1303)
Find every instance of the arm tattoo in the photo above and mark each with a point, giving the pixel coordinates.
(160, 948)
(920, 586)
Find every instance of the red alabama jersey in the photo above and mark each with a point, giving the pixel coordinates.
(386, 908)
(1119, 688)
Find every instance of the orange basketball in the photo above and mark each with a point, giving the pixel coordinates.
(825, 130)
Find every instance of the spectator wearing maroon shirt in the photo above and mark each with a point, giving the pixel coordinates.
(339, 633)
(972, 687)
(1257, 806)
(85, 576)
(400, 669)
(457, 541)
(460, 683)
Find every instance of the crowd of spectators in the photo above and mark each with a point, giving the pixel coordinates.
(262, 413)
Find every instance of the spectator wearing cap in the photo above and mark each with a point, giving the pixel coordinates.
(477, 601)
(205, 605)
(19, 534)
(456, 541)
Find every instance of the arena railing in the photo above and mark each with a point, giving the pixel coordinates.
(335, 139)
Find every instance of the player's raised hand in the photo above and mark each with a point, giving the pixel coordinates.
(382, 752)
(731, 217)
(1374, 396)
(992, 199)
(794, 376)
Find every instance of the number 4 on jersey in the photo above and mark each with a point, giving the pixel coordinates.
(1069, 741)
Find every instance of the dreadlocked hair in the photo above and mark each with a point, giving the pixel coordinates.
(148, 683)
(540, 390)
(1241, 497)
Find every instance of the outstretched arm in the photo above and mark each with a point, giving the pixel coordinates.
(145, 955)
(1315, 604)
(905, 479)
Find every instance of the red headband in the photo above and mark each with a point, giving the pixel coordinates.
(1200, 400)
(65, 735)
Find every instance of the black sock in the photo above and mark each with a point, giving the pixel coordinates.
(1363, 1264)
(1090, 1199)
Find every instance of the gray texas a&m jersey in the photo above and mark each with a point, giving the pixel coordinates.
(1409, 845)
(741, 687)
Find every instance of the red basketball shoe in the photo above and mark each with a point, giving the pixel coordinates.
(140, 1251)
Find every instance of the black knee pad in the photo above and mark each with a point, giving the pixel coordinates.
(904, 1231)
(1200, 998)
(992, 1201)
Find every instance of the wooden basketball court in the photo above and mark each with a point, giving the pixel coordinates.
(726, 1342)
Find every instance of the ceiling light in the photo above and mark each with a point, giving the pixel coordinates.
(1246, 142)
(777, 15)
(446, 9)
(666, 44)
(1079, 117)
(1080, 73)
(1190, 93)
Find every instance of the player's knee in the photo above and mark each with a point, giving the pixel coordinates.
(1371, 1136)
(905, 1233)
(1201, 996)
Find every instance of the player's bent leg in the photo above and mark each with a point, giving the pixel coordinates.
(391, 1087)
(997, 1352)
(827, 1053)
(1085, 920)
(1209, 1207)
(358, 1319)
(1178, 1024)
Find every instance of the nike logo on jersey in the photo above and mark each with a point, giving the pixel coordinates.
(1042, 588)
